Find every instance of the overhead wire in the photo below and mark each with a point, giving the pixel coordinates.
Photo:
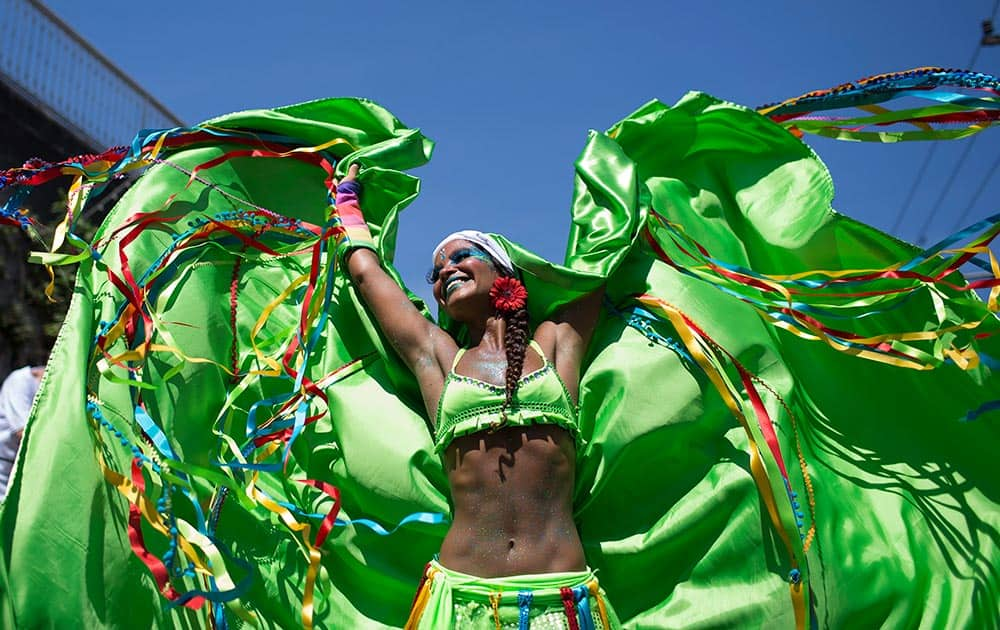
(964, 214)
(979, 191)
(901, 213)
(922, 232)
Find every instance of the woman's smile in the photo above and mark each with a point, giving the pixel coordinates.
(455, 282)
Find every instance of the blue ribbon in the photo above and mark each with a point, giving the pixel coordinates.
(524, 599)
(581, 594)
(992, 405)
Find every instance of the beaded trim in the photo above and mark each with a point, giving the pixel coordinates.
(518, 406)
(497, 389)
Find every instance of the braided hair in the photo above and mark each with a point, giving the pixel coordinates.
(516, 343)
(509, 299)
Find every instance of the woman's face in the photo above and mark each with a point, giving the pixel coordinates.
(462, 275)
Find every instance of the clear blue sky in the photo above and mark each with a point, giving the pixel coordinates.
(509, 89)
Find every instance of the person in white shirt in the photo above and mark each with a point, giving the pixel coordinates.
(16, 396)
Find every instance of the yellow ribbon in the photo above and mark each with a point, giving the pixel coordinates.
(757, 468)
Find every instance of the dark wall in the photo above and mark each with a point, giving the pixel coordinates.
(28, 322)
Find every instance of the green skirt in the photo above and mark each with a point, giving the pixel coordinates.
(571, 600)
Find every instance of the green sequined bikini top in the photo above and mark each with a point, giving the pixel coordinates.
(469, 405)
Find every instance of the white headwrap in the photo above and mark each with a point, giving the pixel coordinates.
(486, 242)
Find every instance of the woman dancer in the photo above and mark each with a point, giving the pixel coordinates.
(505, 420)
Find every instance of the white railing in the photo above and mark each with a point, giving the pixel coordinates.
(53, 67)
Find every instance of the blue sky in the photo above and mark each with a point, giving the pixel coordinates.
(508, 90)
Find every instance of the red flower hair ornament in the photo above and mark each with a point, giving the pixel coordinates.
(508, 295)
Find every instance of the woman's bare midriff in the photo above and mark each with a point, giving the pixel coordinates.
(512, 491)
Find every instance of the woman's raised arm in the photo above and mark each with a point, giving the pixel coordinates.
(423, 346)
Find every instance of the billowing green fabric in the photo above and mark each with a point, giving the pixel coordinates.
(906, 504)
(907, 519)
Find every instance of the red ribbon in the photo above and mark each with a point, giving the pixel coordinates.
(156, 567)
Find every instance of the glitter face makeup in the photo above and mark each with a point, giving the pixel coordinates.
(456, 257)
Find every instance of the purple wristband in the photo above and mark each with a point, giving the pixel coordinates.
(349, 187)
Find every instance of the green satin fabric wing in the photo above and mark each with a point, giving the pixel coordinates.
(64, 524)
(906, 507)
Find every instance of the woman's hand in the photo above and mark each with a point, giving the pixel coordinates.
(352, 175)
